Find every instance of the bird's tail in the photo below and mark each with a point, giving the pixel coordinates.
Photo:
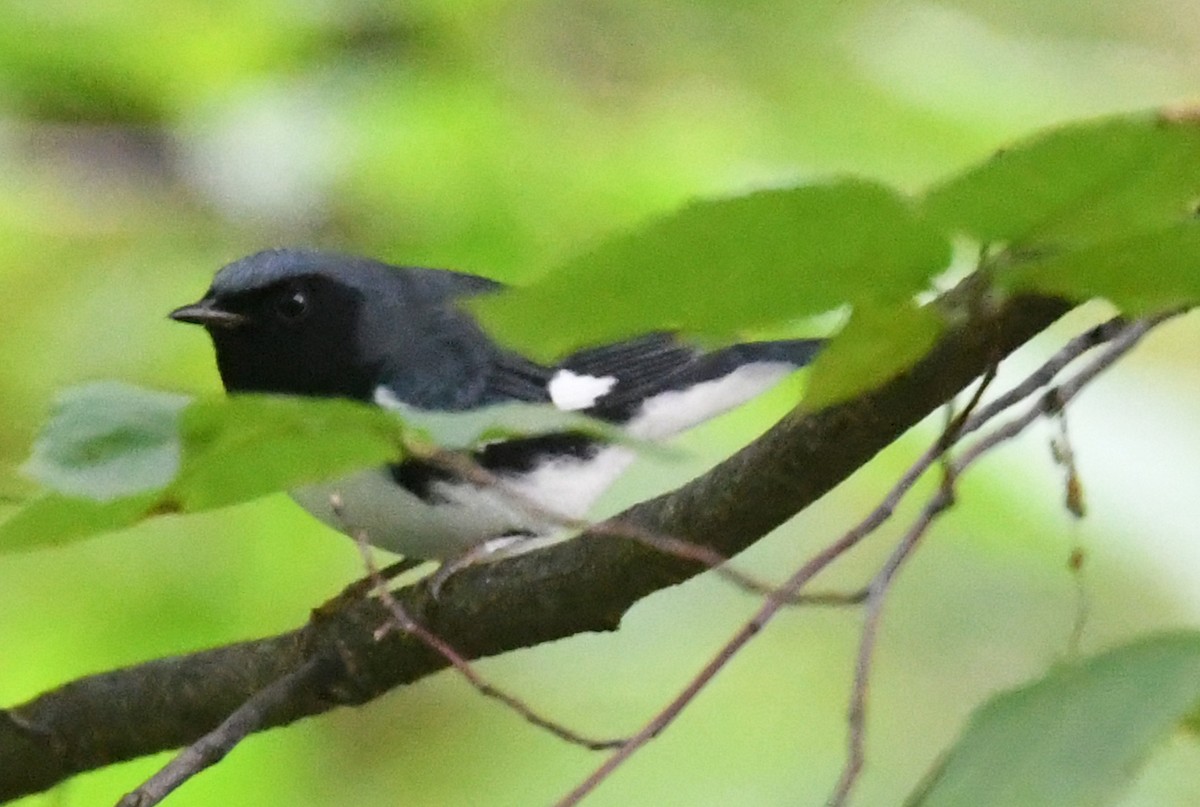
(797, 352)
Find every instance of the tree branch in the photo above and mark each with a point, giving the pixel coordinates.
(212, 747)
(576, 586)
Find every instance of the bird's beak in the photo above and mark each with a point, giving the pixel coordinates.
(205, 312)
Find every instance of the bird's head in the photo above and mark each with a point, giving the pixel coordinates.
(287, 321)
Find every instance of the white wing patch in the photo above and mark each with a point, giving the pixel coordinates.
(387, 399)
(572, 391)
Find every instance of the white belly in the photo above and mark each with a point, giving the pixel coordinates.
(464, 514)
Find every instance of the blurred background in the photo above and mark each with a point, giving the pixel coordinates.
(144, 144)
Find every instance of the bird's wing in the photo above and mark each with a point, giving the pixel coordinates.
(611, 380)
(596, 380)
(632, 381)
(514, 378)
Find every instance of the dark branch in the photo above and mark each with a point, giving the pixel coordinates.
(212, 747)
(574, 587)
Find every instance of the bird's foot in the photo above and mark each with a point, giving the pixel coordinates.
(488, 552)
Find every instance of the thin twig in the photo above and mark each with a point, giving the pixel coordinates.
(831, 598)
(775, 601)
(1064, 455)
(1083, 602)
(715, 562)
(1123, 340)
(1058, 397)
(361, 587)
(212, 747)
(1045, 374)
(877, 592)
(954, 427)
(402, 621)
(466, 468)
(874, 519)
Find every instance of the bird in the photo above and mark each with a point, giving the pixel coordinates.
(329, 325)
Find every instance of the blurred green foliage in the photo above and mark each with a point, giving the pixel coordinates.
(1072, 738)
(844, 242)
(142, 145)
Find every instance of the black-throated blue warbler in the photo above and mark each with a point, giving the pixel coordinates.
(328, 325)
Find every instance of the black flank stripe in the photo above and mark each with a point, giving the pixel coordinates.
(503, 458)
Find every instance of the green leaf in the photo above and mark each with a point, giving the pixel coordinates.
(1140, 274)
(1074, 738)
(241, 447)
(470, 429)
(719, 267)
(148, 453)
(53, 520)
(107, 440)
(125, 466)
(877, 344)
(1079, 184)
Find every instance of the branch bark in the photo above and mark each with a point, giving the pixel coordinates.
(582, 585)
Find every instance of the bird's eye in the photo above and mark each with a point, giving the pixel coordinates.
(292, 304)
